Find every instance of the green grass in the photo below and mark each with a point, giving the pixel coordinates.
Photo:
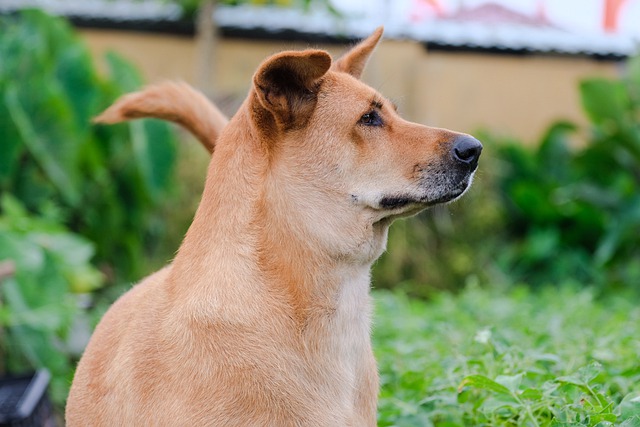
(556, 357)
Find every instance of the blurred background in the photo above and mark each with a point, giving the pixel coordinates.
(552, 88)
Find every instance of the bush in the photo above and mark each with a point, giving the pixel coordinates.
(106, 182)
(39, 307)
(566, 209)
(574, 213)
(61, 178)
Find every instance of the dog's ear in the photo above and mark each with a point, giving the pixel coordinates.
(287, 84)
(354, 61)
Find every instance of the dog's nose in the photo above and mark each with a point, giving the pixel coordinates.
(467, 149)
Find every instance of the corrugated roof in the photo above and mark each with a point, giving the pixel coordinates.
(497, 14)
(117, 10)
(489, 26)
(462, 31)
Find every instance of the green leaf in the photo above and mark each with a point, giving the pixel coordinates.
(554, 152)
(160, 156)
(570, 379)
(511, 382)
(605, 101)
(121, 71)
(79, 81)
(630, 406)
(501, 402)
(484, 383)
(631, 422)
(590, 372)
(39, 148)
(26, 255)
(532, 394)
(75, 249)
(10, 143)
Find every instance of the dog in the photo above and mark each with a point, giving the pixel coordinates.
(264, 316)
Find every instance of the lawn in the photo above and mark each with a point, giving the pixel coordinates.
(554, 357)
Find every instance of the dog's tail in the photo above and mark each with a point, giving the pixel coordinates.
(174, 101)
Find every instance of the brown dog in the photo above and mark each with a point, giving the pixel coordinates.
(263, 318)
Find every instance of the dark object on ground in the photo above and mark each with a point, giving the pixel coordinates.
(24, 401)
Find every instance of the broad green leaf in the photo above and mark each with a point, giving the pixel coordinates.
(83, 279)
(75, 250)
(501, 402)
(532, 394)
(570, 379)
(121, 71)
(603, 419)
(631, 422)
(590, 372)
(40, 150)
(555, 150)
(482, 382)
(77, 77)
(26, 255)
(511, 382)
(630, 406)
(161, 154)
(10, 143)
(604, 100)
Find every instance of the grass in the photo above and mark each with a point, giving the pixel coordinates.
(555, 357)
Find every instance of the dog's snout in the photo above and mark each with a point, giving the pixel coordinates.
(467, 149)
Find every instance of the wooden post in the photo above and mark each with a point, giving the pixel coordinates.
(206, 35)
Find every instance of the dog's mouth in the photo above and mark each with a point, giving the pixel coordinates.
(393, 203)
(392, 207)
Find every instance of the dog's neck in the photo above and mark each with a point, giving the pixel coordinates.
(314, 283)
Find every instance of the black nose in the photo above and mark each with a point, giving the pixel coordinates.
(467, 149)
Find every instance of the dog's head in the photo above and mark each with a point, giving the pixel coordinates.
(341, 156)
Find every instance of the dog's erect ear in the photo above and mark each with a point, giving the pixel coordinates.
(354, 61)
(287, 83)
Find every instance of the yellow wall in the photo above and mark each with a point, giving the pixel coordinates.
(509, 95)
(517, 96)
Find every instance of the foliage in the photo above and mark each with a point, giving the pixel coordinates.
(555, 357)
(60, 176)
(567, 208)
(105, 181)
(37, 306)
(575, 213)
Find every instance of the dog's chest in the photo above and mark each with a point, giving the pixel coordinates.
(347, 347)
(353, 312)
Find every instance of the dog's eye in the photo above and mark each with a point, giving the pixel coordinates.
(372, 118)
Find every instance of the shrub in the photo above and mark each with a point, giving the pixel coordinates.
(106, 182)
(60, 178)
(38, 307)
(566, 209)
(574, 212)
